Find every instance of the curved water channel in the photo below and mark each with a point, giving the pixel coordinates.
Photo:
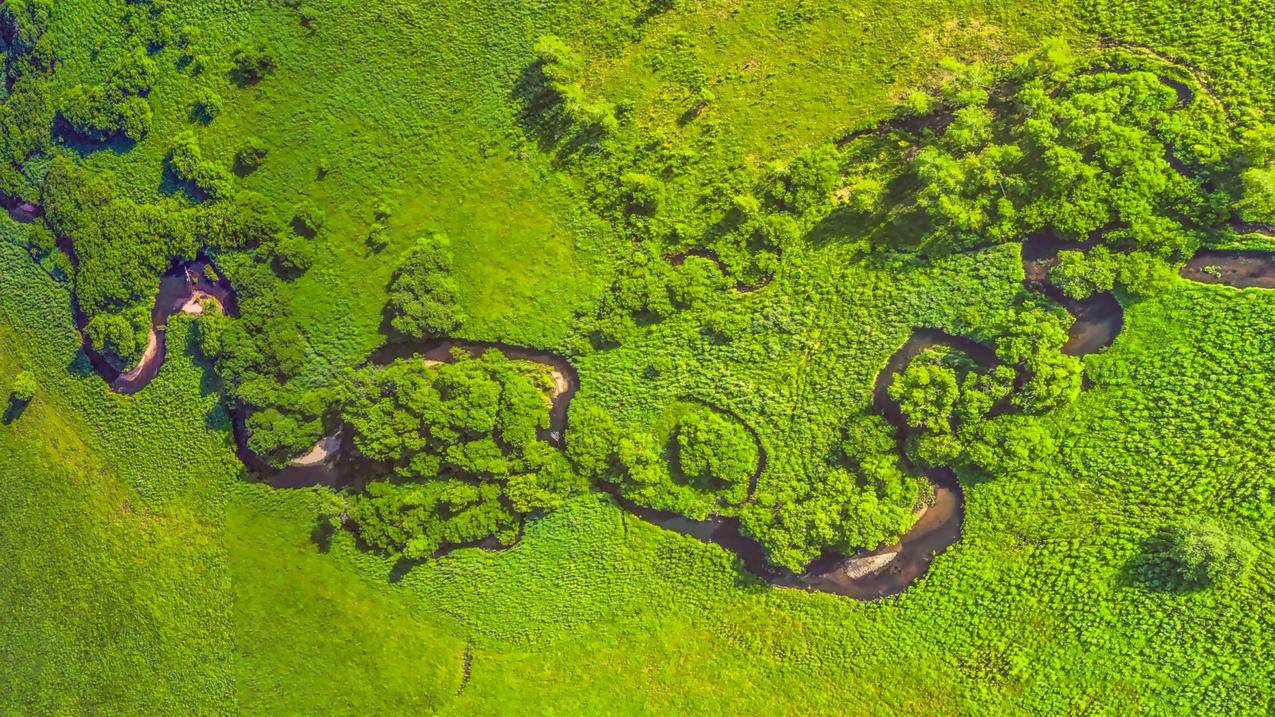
(1098, 318)
(332, 462)
(866, 575)
(680, 258)
(182, 289)
(1232, 267)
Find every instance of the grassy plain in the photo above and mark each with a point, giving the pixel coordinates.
(145, 575)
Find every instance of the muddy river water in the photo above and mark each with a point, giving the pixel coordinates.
(1234, 267)
(1099, 318)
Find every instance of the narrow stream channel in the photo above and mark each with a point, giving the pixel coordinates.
(886, 571)
(866, 575)
(1098, 318)
(1232, 267)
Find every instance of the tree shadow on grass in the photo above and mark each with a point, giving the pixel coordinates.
(544, 118)
(1151, 571)
(14, 410)
(81, 366)
(83, 145)
(401, 568)
(321, 534)
(653, 9)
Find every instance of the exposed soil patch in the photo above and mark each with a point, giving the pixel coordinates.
(932, 534)
(318, 467)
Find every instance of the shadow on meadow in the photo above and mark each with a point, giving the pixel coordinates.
(1188, 557)
(14, 410)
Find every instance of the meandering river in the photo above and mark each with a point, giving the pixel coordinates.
(868, 575)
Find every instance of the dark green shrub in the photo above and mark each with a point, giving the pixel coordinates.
(24, 387)
(423, 293)
(307, 218)
(1201, 554)
(250, 154)
(117, 106)
(252, 61)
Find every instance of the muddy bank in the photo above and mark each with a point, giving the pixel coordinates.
(1098, 318)
(332, 463)
(1185, 94)
(1233, 267)
(326, 464)
(182, 289)
(938, 527)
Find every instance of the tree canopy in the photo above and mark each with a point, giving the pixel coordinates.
(423, 292)
(460, 446)
(24, 387)
(1200, 554)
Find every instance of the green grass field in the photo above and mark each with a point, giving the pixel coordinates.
(146, 572)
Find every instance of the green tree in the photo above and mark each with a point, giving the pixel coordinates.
(593, 439)
(24, 387)
(807, 182)
(926, 394)
(187, 161)
(117, 106)
(716, 453)
(250, 154)
(1080, 274)
(252, 60)
(1202, 554)
(293, 255)
(423, 293)
(1258, 202)
(460, 439)
(307, 218)
(116, 337)
(207, 105)
(562, 68)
